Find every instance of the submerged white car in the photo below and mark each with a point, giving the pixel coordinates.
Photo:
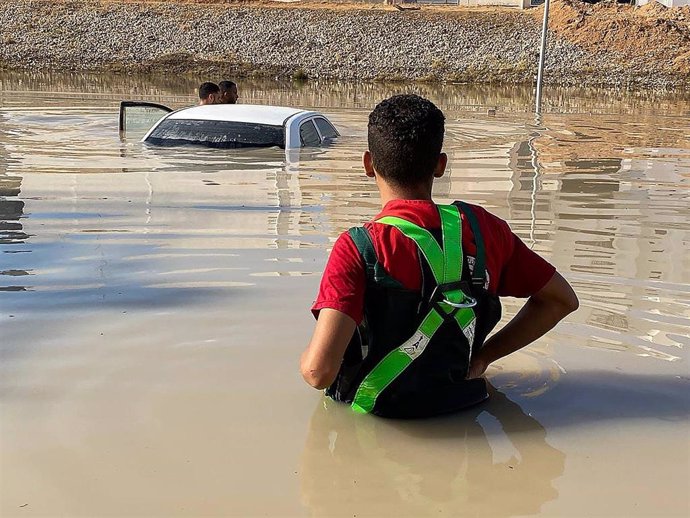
(227, 126)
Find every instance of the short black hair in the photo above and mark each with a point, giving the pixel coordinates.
(226, 86)
(405, 139)
(207, 89)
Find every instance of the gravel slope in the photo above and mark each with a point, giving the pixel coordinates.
(368, 43)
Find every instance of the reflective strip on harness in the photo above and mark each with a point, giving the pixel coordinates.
(446, 267)
(394, 363)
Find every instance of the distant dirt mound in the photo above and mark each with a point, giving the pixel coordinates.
(651, 32)
(652, 8)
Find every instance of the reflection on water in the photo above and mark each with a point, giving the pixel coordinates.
(85, 89)
(180, 279)
(492, 460)
(11, 207)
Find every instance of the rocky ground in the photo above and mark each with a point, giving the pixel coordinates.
(350, 41)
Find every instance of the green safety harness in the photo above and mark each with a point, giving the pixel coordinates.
(448, 301)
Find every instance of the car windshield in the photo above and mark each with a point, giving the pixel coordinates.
(220, 134)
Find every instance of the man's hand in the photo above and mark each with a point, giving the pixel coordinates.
(542, 311)
(477, 367)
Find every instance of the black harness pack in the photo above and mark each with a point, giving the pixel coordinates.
(436, 381)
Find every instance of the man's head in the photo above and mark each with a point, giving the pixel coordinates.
(209, 93)
(228, 92)
(405, 140)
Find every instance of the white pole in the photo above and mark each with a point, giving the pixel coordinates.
(542, 54)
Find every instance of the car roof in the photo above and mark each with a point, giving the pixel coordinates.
(252, 113)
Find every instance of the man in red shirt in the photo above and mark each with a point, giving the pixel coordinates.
(422, 283)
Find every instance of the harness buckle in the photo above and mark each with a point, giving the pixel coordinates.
(468, 302)
(439, 295)
(478, 281)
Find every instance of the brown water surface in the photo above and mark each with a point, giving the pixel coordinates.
(154, 303)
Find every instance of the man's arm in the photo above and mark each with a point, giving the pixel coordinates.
(542, 312)
(321, 360)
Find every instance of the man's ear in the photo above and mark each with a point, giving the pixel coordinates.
(368, 164)
(441, 165)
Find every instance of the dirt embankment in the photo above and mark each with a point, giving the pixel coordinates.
(651, 35)
(604, 44)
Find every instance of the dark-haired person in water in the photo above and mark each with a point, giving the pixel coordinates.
(407, 301)
(228, 92)
(209, 93)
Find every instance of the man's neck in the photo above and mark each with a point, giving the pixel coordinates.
(392, 192)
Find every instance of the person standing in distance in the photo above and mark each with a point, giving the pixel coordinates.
(209, 93)
(228, 92)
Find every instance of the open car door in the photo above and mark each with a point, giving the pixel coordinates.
(139, 116)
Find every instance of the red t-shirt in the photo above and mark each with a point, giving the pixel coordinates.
(513, 270)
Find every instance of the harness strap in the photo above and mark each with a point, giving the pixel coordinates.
(446, 267)
(374, 269)
(479, 273)
(362, 241)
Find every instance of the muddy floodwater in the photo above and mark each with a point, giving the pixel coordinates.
(154, 303)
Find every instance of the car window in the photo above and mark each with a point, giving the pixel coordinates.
(308, 134)
(220, 134)
(325, 128)
(139, 116)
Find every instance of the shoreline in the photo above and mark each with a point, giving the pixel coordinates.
(588, 45)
